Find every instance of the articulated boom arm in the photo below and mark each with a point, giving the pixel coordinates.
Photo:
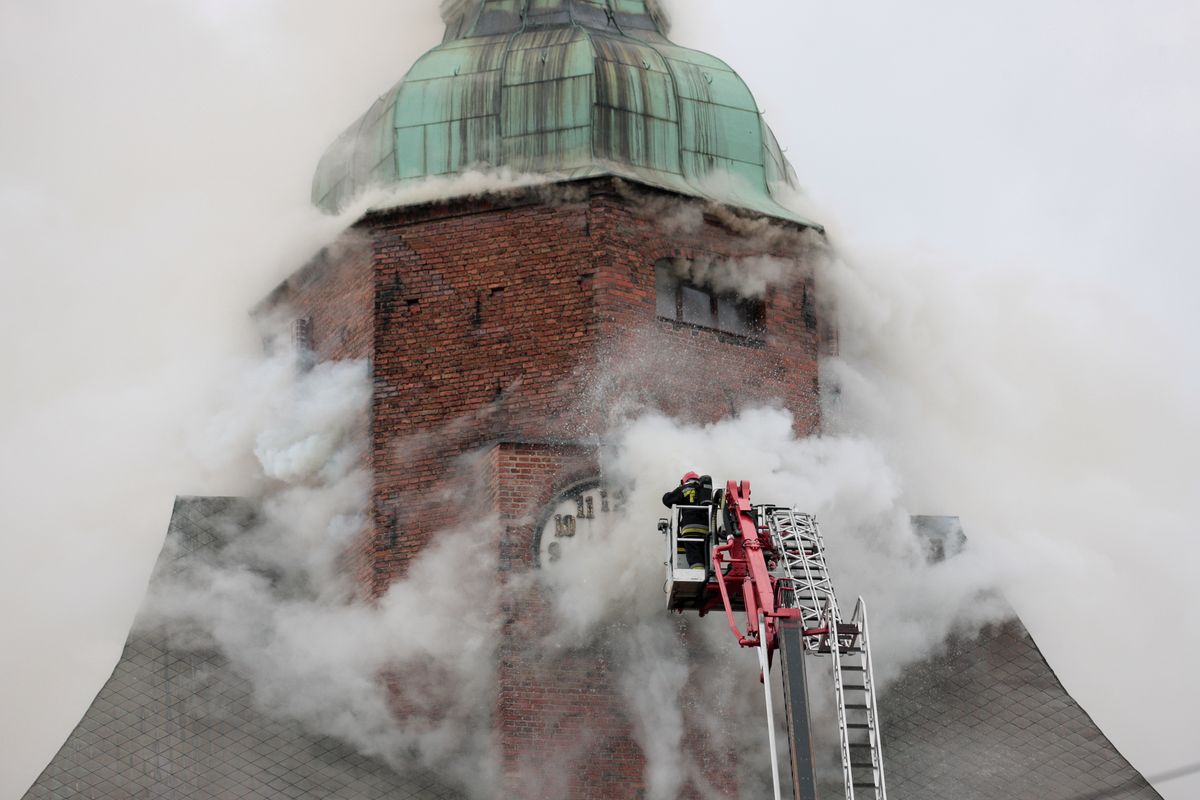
(746, 555)
(770, 562)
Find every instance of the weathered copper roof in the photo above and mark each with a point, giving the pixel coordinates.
(570, 89)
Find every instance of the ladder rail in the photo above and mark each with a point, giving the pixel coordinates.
(860, 619)
(839, 691)
(766, 673)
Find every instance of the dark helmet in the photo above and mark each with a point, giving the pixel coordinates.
(688, 476)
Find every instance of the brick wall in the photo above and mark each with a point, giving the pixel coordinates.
(694, 372)
(335, 292)
(560, 725)
(502, 332)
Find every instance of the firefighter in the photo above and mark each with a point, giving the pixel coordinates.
(693, 490)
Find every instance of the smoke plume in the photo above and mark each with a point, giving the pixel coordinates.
(155, 186)
(277, 602)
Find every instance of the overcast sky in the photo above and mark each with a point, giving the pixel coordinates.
(1054, 144)
(154, 169)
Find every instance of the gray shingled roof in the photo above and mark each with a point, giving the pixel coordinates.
(172, 724)
(988, 720)
(985, 720)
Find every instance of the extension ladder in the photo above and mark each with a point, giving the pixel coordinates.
(806, 585)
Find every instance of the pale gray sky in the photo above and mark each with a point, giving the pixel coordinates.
(1045, 153)
(1025, 173)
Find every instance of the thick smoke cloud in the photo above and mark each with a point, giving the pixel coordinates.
(154, 169)
(1053, 431)
(155, 183)
(278, 603)
(277, 600)
(873, 551)
(1020, 276)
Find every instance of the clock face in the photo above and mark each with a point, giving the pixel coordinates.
(585, 511)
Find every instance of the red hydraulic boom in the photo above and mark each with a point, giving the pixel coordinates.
(747, 552)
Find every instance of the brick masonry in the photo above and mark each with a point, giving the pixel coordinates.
(502, 333)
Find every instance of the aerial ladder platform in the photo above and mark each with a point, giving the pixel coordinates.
(767, 563)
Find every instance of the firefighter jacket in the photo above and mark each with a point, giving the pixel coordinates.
(695, 492)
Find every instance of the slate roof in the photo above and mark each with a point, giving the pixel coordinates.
(174, 724)
(988, 720)
(985, 720)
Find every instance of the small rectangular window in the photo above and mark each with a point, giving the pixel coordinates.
(302, 338)
(666, 291)
(302, 342)
(677, 299)
(696, 307)
(734, 316)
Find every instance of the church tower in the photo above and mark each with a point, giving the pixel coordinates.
(510, 323)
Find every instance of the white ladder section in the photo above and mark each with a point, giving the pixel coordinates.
(807, 586)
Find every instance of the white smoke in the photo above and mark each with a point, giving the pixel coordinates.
(1019, 280)
(154, 170)
(278, 602)
(1054, 418)
(748, 277)
(1040, 409)
(474, 182)
(872, 548)
(654, 681)
(303, 432)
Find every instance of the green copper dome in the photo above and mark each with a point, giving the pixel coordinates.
(570, 89)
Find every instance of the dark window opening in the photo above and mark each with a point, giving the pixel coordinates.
(302, 338)
(695, 306)
(667, 291)
(302, 342)
(678, 299)
(809, 309)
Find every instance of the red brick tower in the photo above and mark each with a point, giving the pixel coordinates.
(508, 325)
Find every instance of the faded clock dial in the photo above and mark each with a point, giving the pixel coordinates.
(583, 512)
